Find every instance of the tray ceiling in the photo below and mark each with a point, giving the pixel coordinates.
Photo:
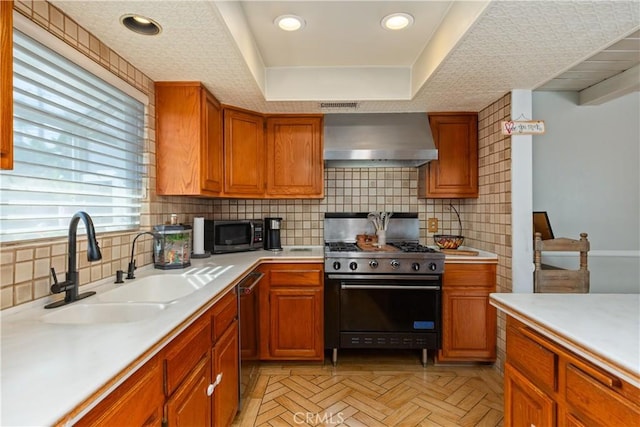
(457, 56)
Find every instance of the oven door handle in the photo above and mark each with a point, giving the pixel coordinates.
(407, 288)
(424, 278)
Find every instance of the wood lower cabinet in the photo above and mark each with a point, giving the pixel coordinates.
(295, 157)
(192, 381)
(6, 84)
(225, 360)
(188, 140)
(468, 319)
(455, 173)
(244, 153)
(190, 405)
(136, 402)
(291, 312)
(527, 405)
(545, 384)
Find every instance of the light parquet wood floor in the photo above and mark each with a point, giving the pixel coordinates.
(369, 389)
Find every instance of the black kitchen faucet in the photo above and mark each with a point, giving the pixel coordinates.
(70, 285)
(132, 263)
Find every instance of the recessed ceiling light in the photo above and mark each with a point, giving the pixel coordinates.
(289, 22)
(397, 21)
(141, 24)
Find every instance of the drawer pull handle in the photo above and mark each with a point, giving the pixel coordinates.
(534, 337)
(602, 377)
(210, 389)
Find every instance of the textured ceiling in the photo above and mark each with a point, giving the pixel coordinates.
(511, 45)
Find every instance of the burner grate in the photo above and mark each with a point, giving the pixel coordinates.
(413, 247)
(342, 247)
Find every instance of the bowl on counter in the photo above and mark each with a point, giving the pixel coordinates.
(448, 241)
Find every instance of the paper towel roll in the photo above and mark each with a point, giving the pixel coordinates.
(198, 236)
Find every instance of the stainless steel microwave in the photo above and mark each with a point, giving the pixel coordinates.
(222, 236)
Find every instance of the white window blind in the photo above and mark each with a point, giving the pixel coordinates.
(78, 145)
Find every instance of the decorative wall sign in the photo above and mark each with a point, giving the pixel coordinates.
(522, 127)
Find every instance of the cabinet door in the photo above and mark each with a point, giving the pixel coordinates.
(212, 152)
(295, 159)
(226, 371)
(137, 402)
(455, 173)
(295, 326)
(468, 332)
(6, 84)
(244, 154)
(468, 319)
(190, 405)
(524, 404)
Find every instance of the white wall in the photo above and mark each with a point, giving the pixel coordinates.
(586, 175)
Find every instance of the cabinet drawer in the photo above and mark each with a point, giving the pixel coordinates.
(185, 351)
(475, 275)
(526, 352)
(223, 314)
(295, 277)
(137, 401)
(601, 404)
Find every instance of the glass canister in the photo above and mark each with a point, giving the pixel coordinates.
(172, 246)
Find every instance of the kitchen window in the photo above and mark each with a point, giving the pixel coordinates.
(78, 145)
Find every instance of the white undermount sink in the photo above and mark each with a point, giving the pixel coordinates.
(160, 288)
(86, 314)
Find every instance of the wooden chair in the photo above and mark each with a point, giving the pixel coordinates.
(561, 280)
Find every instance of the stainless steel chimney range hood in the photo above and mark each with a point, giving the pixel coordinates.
(359, 140)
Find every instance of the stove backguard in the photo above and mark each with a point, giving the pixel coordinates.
(344, 227)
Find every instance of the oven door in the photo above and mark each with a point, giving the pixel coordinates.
(387, 311)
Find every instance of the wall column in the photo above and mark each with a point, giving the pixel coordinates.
(522, 196)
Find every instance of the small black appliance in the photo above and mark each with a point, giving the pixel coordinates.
(272, 240)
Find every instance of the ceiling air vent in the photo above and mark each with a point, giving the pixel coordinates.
(341, 105)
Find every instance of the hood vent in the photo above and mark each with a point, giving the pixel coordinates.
(377, 140)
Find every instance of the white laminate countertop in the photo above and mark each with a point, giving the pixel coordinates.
(49, 369)
(602, 328)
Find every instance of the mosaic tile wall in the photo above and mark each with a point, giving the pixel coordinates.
(346, 190)
(488, 217)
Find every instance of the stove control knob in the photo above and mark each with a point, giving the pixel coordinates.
(353, 266)
(373, 264)
(415, 266)
(336, 265)
(395, 264)
(433, 266)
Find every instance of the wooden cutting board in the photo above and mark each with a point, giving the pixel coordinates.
(373, 247)
(459, 252)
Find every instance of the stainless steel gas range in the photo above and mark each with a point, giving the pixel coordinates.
(380, 296)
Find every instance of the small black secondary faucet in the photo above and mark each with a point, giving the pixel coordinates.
(70, 285)
(132, 263)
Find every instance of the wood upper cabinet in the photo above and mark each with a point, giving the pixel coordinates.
(188, 140)
(295, 157)
(455, 173)
(6, 84)
(468, 319)
(545, 384)
(291, 312)
(244, 153)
